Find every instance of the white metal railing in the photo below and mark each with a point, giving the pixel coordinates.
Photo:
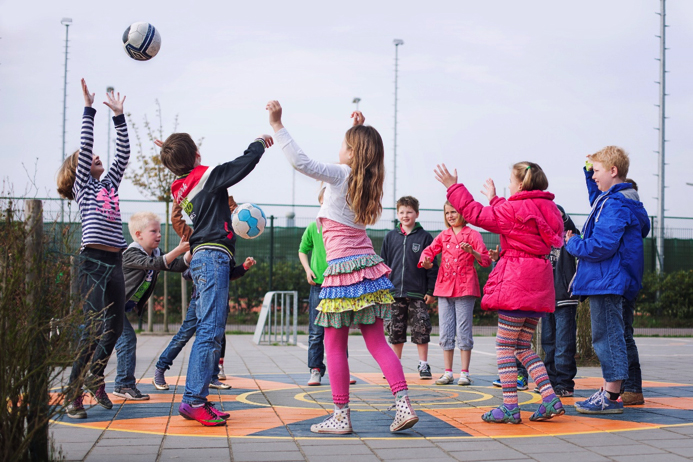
(275, 318)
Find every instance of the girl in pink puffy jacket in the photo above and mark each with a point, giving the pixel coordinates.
(457, 288)
(520, 287)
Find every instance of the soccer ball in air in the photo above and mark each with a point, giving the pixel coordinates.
(248, 221)
(141, 41)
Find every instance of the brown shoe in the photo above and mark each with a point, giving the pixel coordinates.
(632, 399)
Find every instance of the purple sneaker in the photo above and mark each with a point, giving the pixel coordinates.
(219, 412)
(204, 414)
(75, 409)
(100, 395)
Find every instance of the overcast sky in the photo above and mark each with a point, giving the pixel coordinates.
(482, 85)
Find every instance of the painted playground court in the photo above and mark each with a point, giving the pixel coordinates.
(272, 409)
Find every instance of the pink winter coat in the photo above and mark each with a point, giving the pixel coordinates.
(457, 276)
(529, 224)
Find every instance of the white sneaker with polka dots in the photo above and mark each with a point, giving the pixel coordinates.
(339, 423)
(405, 417)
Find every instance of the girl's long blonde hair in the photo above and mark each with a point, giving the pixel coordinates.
(67, 176)
(365, 193)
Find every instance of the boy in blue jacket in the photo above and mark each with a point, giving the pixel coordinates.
(610, 268)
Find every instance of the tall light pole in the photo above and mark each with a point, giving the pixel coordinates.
(65, 22)
(108, 120)
(662, 140)
(356, 101)
(397, 43)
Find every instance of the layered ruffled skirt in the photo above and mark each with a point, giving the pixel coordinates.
(356, 288)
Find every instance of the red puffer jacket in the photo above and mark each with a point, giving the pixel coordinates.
(529, 224)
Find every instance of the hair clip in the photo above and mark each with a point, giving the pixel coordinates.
(528, 167)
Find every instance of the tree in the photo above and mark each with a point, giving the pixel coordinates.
(152, 178)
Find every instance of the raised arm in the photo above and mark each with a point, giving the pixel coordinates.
(230, 173)
(117, 169)
(86, 146)
(592, 188)
(329, 173)
(491, 218)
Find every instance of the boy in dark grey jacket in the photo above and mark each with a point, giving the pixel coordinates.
(558, 329)
(142, 262)
(414, 286)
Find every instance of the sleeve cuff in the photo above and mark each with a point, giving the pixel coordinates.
(119, 119)
(261, 140)
(89, 111)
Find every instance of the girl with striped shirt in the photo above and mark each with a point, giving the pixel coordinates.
(101, 273)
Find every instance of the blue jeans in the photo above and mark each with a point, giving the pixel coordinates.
(126, 348)
(316, 334)
(608, 336)
(210, 272)
(558, 339)
(185, 333)
(634, 382)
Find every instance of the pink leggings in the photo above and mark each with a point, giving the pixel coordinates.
(336, 352)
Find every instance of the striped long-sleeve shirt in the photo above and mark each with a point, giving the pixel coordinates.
(99, 205)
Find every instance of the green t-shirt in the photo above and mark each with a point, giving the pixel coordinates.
(312, 243)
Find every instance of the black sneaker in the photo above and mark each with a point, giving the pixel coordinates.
(130, 393)
(99, 394)
(563, 393)
(75, 409)
(425, 372)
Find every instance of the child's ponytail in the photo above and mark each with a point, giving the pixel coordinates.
(67, 176)
(530, 176)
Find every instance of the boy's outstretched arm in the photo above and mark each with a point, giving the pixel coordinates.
(240, 270)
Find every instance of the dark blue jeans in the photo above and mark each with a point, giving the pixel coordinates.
(185, 333)
(558, 339)
(634, 382)
(608, 336)
(210, 272)
(316, 334)
(126, 353)
(102, 286)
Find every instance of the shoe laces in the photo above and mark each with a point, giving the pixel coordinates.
(101, 392)
(209, 407)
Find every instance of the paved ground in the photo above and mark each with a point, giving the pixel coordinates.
(272, 410)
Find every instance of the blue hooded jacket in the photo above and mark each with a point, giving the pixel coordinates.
(610, 252)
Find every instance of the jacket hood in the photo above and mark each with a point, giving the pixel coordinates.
(544, 212)
(631, 199)
(417, 226)
(136, 245)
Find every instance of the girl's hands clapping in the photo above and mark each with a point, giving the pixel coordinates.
(88, 97)
(444, 176)
(358, 117)
(115, 103)
(489, 189)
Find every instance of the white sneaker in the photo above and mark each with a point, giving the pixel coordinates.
(405, 417)
(464, 379)
(219, 385)
(315, 378)
(222, 375)
(445, 379)
(338, 423)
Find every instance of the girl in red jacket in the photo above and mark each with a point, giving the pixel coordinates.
(520, 287)
(457, 288)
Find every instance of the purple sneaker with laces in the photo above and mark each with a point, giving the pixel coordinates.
(204, 414)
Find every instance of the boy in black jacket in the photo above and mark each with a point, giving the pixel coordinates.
(142, 262)
(414, 286)
(558, 329)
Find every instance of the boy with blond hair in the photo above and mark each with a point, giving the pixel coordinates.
(142, 262)
(610, 267)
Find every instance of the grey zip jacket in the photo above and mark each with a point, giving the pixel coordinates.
(141, 271)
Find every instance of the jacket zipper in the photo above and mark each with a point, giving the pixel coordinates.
(404, 256)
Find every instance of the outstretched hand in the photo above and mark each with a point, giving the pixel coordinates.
(275, 115)
(444, 176)
(489, 189)
(358, 117)
(88, 97)
(115, 103)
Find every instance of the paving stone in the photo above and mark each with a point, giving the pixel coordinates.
(352, 449)
(626, 450)
(187, 442)
(277, 456)
(651, 458)
(576, 456)
(215, 454)
(503, 454)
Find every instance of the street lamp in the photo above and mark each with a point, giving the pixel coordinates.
(65, 22)
(397, 43)
(356, 101)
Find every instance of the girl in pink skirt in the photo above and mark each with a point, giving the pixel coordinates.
(356, 289)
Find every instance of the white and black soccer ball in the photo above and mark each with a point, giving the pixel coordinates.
(248, 221)
(141, 41)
